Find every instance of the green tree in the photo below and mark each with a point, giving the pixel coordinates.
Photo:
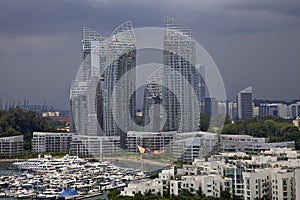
(204, 122)
(112, 194)
(225, 195)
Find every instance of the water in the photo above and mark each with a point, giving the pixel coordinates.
(5, 169)
(142, 165)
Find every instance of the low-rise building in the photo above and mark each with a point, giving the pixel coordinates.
(188, 146)
(97, 146)
(256, 184)
(143, 187)
(274, 174)
(51, 142)
(281, 184)
(152, 140)
(11, 147)
(249, 144)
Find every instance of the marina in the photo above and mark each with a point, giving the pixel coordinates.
(69, 177)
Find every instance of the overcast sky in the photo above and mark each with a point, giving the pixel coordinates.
(253, 42)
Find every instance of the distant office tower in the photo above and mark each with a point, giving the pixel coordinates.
(245, 103)
(295, 110)
(211, 106)
(231, 109)
(103, 91)
(269, 109)
(182, 81)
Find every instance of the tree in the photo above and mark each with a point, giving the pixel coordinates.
(225, 195)
(204, 122)
(112, 194)
(16, 121)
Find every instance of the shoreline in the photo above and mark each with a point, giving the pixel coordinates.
(145, 161)
(12, 160)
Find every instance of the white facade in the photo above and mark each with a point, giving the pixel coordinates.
(249, 144)
(97, 146)
(143, 187)
(210, 185)
(256, 184)
(281, 185)
(188, 146)
(151, 140)
(11, 147)
(51, 142)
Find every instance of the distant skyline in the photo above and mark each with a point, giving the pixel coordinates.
(253, 43)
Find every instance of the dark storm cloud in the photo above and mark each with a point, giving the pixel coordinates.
(252, 42)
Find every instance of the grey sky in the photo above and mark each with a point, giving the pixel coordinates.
(253, 42)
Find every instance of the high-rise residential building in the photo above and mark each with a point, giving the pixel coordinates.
(83, 89)
(245, 103)
(102, 93)
(178, 86)
(182, 98)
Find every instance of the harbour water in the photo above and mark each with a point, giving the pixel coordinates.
(144, 165)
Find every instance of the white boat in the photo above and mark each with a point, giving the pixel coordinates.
(47, 163)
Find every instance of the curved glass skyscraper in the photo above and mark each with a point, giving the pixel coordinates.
(97, 91)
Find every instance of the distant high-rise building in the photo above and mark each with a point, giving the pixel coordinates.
(295, 110)
(245, 103)
(211, 106)
(231, 110)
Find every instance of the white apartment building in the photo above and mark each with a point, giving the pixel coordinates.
(244, 176)
(281, 185)
(51, 142)
(249, 144)
(210, 185)
(11, 147)
(97, 146)
(151, 140)
(256, 184)
(281, 153)
(143, 187)
(188, 146)
(273, 183)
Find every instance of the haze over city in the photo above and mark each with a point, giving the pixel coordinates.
(253, 43)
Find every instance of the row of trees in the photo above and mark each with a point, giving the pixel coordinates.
(274, 128)
(17, 121)
(184, 195)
